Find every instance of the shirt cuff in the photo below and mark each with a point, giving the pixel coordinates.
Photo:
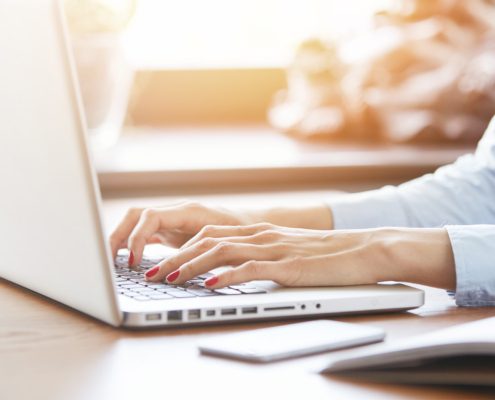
(373, 209)
(474, 254)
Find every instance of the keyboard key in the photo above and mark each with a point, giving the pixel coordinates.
(145, 290)
(130, 294)
(154, 261)
(180, 294)
(227, 291)
(139, 281)
(133, 286)
(242, 286)
(147, 264)
(202, 292)
(121, 264)
(253, 291)
(169, 289)
(142, 290)
(158, 286)
(194, 287)
(160, 296)
(141, 298)
(166, 290)
(184, 285)
(206, 275)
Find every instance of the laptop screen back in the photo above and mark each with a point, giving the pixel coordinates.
(51, 239)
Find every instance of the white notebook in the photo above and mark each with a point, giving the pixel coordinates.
(464, 354)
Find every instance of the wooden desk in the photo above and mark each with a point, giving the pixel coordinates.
(48, 351)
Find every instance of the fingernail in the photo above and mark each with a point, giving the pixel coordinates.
(131, 258)
(211, 281)
(173, 276)
(152, 272)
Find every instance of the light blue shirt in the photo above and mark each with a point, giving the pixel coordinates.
(460, 197)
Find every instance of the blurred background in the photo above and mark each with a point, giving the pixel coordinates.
(248, 92)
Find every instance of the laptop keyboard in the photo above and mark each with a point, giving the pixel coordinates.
(132, 283)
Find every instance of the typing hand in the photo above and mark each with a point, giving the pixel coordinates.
(304, 257)
(288, 256)
(171, 225)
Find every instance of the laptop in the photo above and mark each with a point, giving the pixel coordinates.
(52, 240)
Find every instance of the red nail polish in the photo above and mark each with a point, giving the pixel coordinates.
(131, 258)
(152, 272)
(173, 276)
(211, 281)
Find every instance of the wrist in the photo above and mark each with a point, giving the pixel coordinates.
(422, 256)
(318, 217)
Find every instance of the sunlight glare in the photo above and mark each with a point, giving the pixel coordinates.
(237, 33)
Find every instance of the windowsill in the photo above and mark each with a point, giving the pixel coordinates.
(179, 157)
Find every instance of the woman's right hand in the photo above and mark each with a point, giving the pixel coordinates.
(172, 225)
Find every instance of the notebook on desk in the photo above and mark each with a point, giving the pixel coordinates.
(461, 355)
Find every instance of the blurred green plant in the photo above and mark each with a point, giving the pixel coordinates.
(98, 16)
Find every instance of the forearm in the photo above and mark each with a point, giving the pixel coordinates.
(416, 255)
(318, 217)
(422, 256)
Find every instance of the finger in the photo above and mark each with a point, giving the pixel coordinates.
(224, 253)
(174, 238)
(213, 231)
(160, 271)
(192, 254)
(153, 220)
(247, 272)
(119, 237)
(154, 240)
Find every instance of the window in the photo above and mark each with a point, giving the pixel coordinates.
(202, 34)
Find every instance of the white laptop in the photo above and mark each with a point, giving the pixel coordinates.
(51, 236)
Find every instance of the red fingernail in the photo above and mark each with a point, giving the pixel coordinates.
(173, 276)
(152, 272)
(211, 281)
(131, 258)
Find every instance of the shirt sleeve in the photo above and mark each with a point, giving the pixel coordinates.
(474, 253)
(460, 197)
(462, 193)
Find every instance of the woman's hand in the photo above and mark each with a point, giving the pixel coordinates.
(300, 257)
(175, 224)
(171, 225)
